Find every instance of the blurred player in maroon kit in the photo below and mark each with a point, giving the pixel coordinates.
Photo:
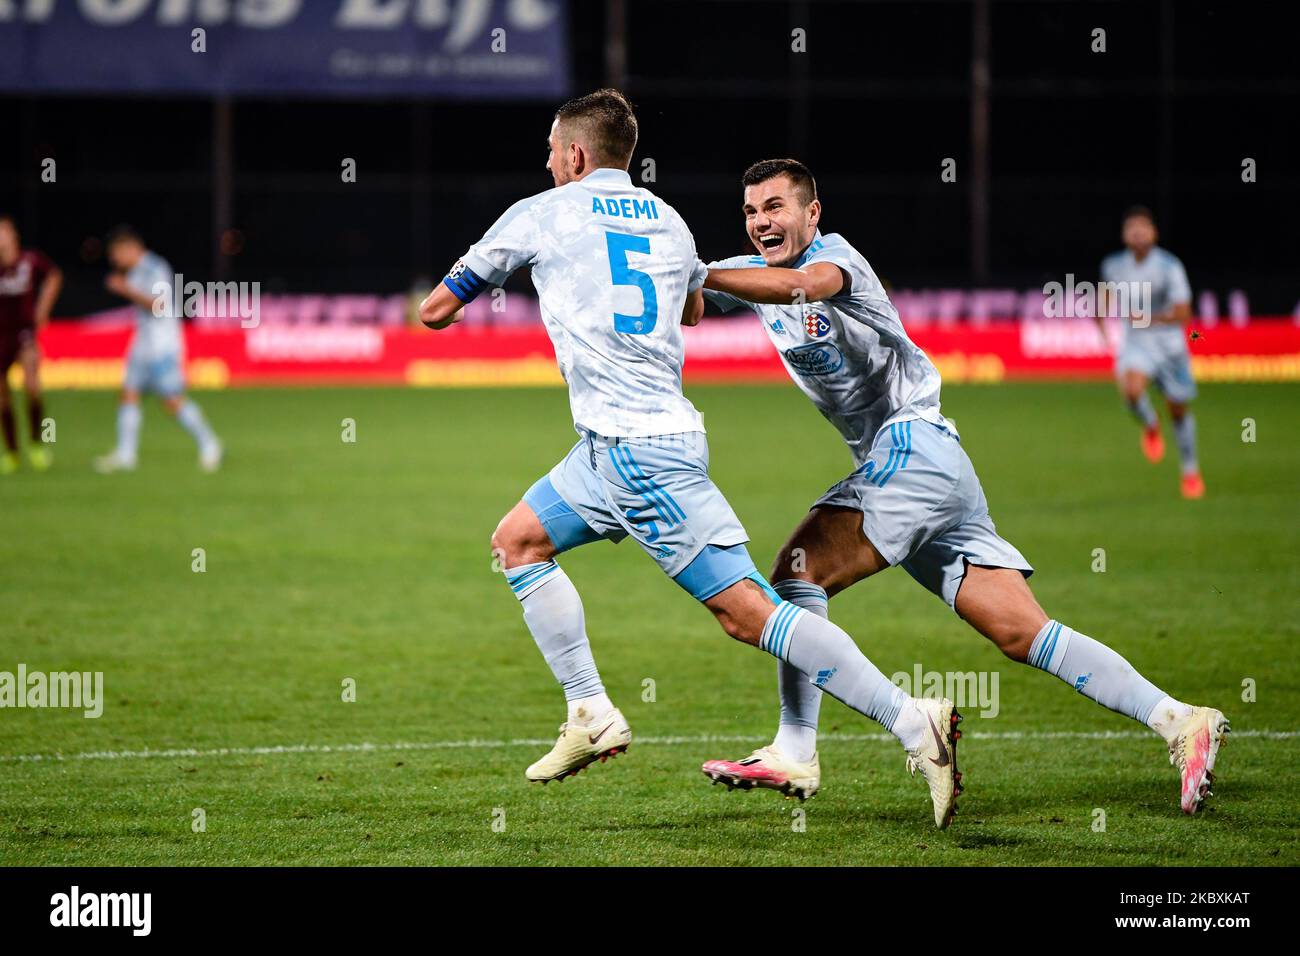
(29, 284)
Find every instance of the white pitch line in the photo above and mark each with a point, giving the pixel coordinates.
(542, 742)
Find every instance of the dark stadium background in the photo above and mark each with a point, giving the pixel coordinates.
(1165, 117)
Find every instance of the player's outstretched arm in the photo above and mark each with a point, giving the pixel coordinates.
(821, 280)
(441, 308)
(510, 243)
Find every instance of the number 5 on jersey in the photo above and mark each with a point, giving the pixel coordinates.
(619, 245)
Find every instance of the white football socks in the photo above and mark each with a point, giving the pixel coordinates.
(1167, 715)
(587, 710)
(128, 431)
(801, 700)
(1095, 671)
(554, 615)
(1185, 436)
(191, 419)
(818, 648)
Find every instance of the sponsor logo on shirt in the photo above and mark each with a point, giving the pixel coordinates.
(815, 358)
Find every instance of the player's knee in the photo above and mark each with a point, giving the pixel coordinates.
(503, 547)
(740, 627)
(742, 610)
(513, 545)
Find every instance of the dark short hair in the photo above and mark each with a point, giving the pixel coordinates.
(1134, 212)
(122, 233)
(607, 120)
(799, 174)
(8, 217)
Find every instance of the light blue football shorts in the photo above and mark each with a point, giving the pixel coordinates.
(658, 491)
(161, 375)
(923, 508)
(1165, 362)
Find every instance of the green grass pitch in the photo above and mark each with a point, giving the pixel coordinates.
(368, 561)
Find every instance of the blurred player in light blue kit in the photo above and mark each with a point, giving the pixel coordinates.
(156, 357)
(913, 499)
(1153, 339)
(616, 275)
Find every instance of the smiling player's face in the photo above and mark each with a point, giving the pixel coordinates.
(779, 224)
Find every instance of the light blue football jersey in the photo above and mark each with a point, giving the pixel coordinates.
(612, 264)
(1168, 287)
(849, 353)
(156, 336)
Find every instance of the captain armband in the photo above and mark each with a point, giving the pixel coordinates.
(463, 282)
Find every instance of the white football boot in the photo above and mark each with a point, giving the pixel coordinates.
(581, 744)
(936, 757)
(769, 768)
(210, 456)
(1193, 747)
(106, 464)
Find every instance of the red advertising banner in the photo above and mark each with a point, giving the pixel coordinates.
(91, 355)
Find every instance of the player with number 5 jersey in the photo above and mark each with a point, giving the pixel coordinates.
(612, 265)
(617, 276)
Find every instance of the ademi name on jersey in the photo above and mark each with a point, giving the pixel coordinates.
(625, 208)
(102, 909)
